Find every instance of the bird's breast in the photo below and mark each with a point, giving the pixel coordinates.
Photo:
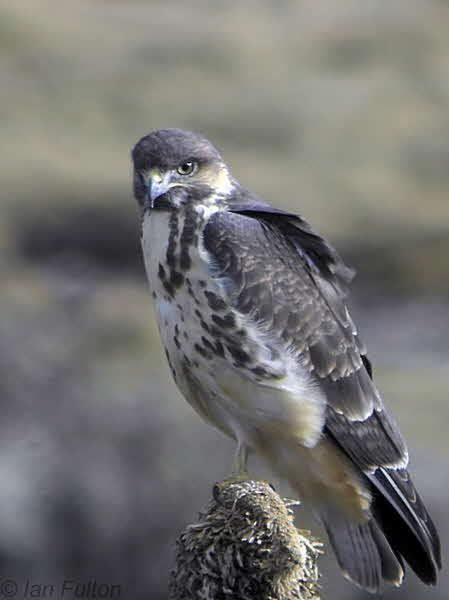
(170, 243)
(186, 299)
(182, 288)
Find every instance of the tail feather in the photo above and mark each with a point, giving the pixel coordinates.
(406, 523)
(363, 553)
(399, 530)
(392, 563)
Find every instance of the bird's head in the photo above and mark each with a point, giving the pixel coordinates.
(173, 167)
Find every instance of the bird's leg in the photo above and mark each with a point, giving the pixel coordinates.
(239, 466)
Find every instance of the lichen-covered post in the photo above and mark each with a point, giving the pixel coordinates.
(245, 547)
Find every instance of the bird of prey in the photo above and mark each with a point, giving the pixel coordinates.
(251, 309)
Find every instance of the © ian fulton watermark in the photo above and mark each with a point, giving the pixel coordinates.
(68, 589)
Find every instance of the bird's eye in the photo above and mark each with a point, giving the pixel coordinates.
(187, 168)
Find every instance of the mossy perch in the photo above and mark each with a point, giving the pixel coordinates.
(245, 547)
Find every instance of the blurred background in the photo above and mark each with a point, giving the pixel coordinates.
(338, 111)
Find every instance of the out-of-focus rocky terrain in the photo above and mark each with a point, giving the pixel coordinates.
(338, 111)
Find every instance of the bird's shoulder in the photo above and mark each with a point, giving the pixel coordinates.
(248, 216)
(257, 247)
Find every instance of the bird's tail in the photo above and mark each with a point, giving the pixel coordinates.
(376, 522)
(400, 529)
(363, 553)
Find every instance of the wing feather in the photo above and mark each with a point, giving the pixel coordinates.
(293, 284)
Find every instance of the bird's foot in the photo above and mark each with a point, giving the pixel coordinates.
(240, 465)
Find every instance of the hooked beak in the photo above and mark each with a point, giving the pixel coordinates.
(158, 184)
